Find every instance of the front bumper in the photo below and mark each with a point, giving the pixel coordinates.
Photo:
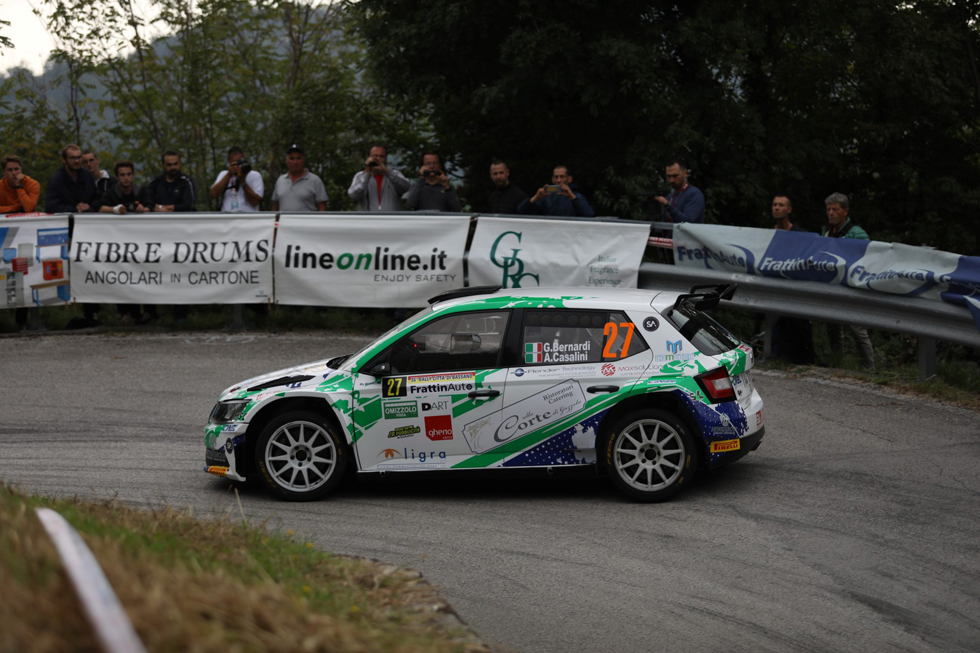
(224, 446)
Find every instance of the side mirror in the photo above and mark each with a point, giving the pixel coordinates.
(382, 369)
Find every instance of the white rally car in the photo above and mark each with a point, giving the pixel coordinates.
(640, 385)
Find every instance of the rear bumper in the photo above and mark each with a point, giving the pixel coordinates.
(746, 445)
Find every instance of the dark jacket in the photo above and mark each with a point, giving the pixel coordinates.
(64, 195)
(114, 197)
(560, 205)
(102, 186)
(180, 193)
(686, 205)
(506, 200)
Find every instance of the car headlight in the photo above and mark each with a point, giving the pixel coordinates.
(227, 411)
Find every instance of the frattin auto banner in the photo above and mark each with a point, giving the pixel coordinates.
(190, 258)
(34, 261)
(525, 253)
(388, 261)
(883, 267)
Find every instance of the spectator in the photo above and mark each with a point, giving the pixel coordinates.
(684, 203)
(792, 337)
(124, 197)
(506, 197)
(172, 191)
(103, 180)
(240, 188)
(18, 192)
(839, 225)
(431, 191)
(559, 198)
(298, 189)
(72, 188)
(385, 193)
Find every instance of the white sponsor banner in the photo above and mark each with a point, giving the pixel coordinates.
(525, 253)
(172, 259)
(34, 261)
(398, 260)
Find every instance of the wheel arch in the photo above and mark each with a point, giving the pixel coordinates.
(268, 411)
(663, 399)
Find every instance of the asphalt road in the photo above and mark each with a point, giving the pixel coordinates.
(853, 528)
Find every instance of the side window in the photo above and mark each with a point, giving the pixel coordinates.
(463, 341)
(558, 336)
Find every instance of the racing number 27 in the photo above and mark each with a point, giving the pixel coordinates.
(611, 331)
(394, 386)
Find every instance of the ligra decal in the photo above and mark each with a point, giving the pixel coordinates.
(525, 416)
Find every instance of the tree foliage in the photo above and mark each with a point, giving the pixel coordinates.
(877, 100)
(201, 76)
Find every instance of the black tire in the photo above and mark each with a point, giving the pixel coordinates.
(650, 455)
(300, 456)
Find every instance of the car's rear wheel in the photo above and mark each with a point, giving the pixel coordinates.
(299, 455)
(649, 455)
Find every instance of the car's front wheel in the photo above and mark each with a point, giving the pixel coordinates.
(649, 455)
(299, 455)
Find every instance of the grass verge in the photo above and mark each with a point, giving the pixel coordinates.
(208, 585)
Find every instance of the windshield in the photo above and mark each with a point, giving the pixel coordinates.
(702, 330)
(353, 358)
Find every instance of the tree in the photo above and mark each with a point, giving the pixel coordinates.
(877, 100)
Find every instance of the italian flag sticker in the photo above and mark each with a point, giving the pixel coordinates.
(532, 352)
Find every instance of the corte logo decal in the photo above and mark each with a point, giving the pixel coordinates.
(512, 266)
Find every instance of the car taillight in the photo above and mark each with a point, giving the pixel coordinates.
(717, 385)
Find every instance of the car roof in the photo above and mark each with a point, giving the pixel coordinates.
(606, 298)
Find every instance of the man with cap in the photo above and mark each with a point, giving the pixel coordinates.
(298, 189)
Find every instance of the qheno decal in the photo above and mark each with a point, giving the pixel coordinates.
(439, 427)
(530, 414)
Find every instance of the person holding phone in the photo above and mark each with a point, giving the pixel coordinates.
(432, 191)
(558, 198)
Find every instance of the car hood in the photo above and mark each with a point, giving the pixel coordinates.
(305, 374)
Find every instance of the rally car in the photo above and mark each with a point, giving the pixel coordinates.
(640, 385)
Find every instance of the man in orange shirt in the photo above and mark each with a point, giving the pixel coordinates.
(18, 192)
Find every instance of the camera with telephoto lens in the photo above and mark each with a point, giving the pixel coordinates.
(431, 173)
(244, 166)
(372, 164)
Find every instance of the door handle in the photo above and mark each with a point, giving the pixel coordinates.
(602, 388)
(480, 394)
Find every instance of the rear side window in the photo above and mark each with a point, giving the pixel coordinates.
(558, 336)
(708, 336)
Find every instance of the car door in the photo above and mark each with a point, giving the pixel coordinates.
(412, 401)
(575, 365)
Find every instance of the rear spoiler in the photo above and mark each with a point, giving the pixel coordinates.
(706, 297)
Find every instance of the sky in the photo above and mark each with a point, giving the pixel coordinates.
(32, 43)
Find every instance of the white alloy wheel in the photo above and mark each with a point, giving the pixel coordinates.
(299, 456)
(650, 454)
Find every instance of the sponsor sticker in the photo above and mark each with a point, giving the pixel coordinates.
(556, 352)
(525, 416)
(651, 323)
(217, 471)
(435, 405)
(758, 418)
(401, 410)
(608, 369)
(394, 386)
(725, 445)
(439, 427)
(408, 458)
(443, 383)
(404, 431)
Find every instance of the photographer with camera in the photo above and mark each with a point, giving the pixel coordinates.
(378, 187)
(558, 198)
(124, 197)
(431, 191)
(240, 188)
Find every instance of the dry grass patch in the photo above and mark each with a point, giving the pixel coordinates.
(193, 585)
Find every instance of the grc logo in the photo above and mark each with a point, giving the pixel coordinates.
(674, 347)
(439, 427)
(512, 266)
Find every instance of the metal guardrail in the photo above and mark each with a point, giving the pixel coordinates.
(929, 320)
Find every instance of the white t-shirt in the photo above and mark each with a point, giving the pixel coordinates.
(231, 194)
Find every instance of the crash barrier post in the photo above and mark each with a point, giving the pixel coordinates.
(112, 627)
(927, 320)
